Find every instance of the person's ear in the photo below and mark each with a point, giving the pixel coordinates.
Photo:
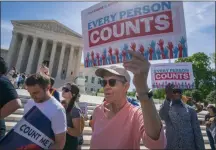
(126, 85)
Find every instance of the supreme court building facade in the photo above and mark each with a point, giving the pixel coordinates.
(37, 42)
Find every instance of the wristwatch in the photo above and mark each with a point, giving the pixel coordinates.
(150, 93)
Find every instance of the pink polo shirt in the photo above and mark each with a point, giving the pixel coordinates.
(123, 131)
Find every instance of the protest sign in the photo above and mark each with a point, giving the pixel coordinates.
(33, 131)
(155, 29)
(178, 74)
(84, 108)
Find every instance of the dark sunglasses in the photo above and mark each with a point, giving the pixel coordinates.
(111, 82)
(65, 89)
(177, 91)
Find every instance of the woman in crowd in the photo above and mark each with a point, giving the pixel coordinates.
(70, 92)
(210, 119)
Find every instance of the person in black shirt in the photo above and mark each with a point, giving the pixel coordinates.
(75, 120)
(9, 101)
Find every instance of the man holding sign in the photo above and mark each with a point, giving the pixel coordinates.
(38, 87)
(117, 123)
(43, 125)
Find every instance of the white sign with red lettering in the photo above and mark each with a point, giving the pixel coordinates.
(178, 74)
(155, 29)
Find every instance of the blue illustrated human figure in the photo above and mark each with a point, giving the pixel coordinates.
(90, 63)
(158, 54)
(109, 60)
(128, 56)
(175, 51)
(100, 59)
(146, 54)
(183, 42)
(114, 59)
(105, 54)
(166, 53)
(88, 56)
(182, 85)
(120, 57)
(154, 55)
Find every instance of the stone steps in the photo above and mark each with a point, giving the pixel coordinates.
(87, 130)
(19, 113)
(16, 116)
(91, 109)
(87, 147)
(87, 139)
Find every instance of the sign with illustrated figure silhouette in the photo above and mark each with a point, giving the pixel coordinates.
(178, 74)
(155, 29)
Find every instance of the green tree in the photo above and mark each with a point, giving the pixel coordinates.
(187, 93)
(213, 58)
(204, 75)
(159, 94)
(211, 97)
(197, 95)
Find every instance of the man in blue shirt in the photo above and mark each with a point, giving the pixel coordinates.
(182, 125)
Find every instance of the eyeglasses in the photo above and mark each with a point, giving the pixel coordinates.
(65, 89)
(112, 82)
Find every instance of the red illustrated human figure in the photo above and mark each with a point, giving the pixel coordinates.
(161, 43)
(124, 55)
(170, 47)
(98, 59)
(92, 56)
(103, 60)
(150, 53)
(117, 55)
(110, 53)
(142, 49)
(180, 48)
(133, 46)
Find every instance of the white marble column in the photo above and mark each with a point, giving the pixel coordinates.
(31, 55)
(78, 61)
(12, 49)
(70, 62)
(42, 52)
(61, 60)
(52, 57)
(21, 52)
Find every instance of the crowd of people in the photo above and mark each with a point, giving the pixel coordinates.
(16, 78)
(119, 122)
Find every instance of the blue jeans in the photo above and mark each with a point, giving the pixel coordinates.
(211, 139)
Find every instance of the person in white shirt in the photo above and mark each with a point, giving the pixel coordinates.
(38, 87)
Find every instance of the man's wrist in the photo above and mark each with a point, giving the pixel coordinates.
(143, 96)
(143, 89)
